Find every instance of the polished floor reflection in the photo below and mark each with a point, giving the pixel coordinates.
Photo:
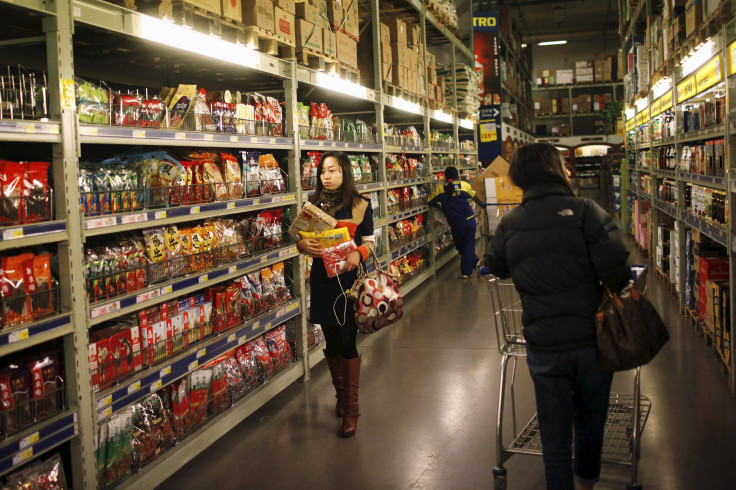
(428, 400)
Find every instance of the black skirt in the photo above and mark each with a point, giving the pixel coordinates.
(326, 292)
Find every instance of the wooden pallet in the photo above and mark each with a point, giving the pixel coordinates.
(399, 92)
(664, 276)
(347, 72)
(128, 4)
(193, 17)
(317, 61)
(269, 43)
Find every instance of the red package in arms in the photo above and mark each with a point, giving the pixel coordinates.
(334, 257)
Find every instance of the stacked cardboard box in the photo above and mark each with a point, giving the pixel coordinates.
(603, 68)
(693, 16)
(328, 27)
(584, 71)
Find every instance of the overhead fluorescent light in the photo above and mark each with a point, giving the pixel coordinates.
(630, 113)
(442, 116)
(523, 45)
(337, 84)
(551, 43)
(407, 106)
(661, 87)
(176, 36)
(699, 57)
(641, 104)
(466, 123)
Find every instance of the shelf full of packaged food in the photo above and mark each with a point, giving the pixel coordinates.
(21, 337)
(116, 223)
(120, 20)
(717, 233)
(29, 131)
(702, 134)
(664, 142)
(667, 207)
(443, 151)
(323, 145)
(370, 187)
(38, 439)
(175, 458)
(418, 150)
(581, 86)
(406, 249)
(471, 152)
(335, 84)
(412, 283)
(145, 382)
(443, 259)
(708, 180)
(379, 222)
(153, 295)
(406, 214)
(403, 105)
(665, 172)
(28, 235)
(404, 182)
(127, 135)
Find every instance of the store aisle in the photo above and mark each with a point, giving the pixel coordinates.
(428, 400)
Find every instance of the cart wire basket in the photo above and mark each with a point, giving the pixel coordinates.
(627, 414)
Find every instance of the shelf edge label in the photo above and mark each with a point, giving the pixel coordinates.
(686, 89)
(710, 74)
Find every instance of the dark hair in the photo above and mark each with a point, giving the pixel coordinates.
(538, 164)
(350, 194)
(451, 173)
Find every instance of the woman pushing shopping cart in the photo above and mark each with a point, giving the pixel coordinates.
(557, 249)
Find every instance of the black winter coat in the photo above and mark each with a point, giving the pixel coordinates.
(558, 248)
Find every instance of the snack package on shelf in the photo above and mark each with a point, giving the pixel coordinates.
(26, 194)
(252, 377)
(92, 103)
(264, 363)
(118, 446)
(279, 348)
(181, 105)
(251, 172)
(235, 379)
(220, 399)
(41, 475)
(27, 289)
(309, 169)
(271, 176)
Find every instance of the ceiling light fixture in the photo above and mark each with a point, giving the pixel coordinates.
(698, 58)
(551, 43)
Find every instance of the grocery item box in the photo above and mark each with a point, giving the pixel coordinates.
(713, 268)
(347, 49)
(284, 24)
(397, 27)
(351, 24)
(288, 6)
(565, 77)
(213, 6)
(232, 9)
(308, 36)
(307, 10)
(335, 13)
(329, 43)
(258, 13)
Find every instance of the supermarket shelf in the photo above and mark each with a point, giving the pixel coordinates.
(150, 380)
(322, 80)
(175, 458)
(115, 223)
(447, 257)
(474, 152)
(36, 440)
(377, 223)
(409, 248)
(37, 5)
(412, 284)
(713, 132)
(402, 105)
(29, 131)
(129, 23)
(321, 145)
(403, 183)
(419, 7)
(582, 86)
(372, 186)
(666, 172)
(645, 195)
(316, 355)
(668, 208)
(519, 63)
(664, 142)
(717, 233)
(709, 180)
(23, 336)
(100, 312)
(411, 212)
(126, 135)
(407, 149)
(445, 151)
(32, 234)
(441, 231)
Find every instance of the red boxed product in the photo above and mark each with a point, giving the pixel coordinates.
(15, 394)
(713, 268)
(103, 370)
(45, 381)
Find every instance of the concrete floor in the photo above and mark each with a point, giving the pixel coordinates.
(428, 394)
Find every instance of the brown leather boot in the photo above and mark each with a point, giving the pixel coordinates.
(351, 409)
(336, 370)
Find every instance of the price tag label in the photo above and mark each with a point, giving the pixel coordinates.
(180, 136)
(18, 336)
(22, 456)
(29, 440)
(280, 313)
(107, 412)
(12, 234)
(143, 297)
(267, 326)
(320, 143)
(194, 210)
(133, 218)
(134, 387)
(292, 250)
(139, 134)
(209, 137)
(166, 290)
(160, 215)
(234, 139)
(255, 140)
(242, 340)
(256, 201)
(164, 372)
(193, 365)
(203, 278)
(264, 258)
(26, 128)
(232, 269)
(273, 141)
(93, 224)
(155, 386)
(256, 325)
(293, 307)
(231, 205)
(104, 309)
(90, 131)
(104, 402)
(231, 338)
(201, 353)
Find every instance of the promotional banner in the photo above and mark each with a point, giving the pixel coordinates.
(485, 37)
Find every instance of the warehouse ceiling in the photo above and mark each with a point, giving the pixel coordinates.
(572, 20)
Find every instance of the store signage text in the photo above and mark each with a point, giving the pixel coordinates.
(686, 89)
(484, 22)
(709, 75)
(662, 104)
(630, 124)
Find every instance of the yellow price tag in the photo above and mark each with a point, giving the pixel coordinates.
(180, 136)
(108, 411)
(68, 94)
(488, 132)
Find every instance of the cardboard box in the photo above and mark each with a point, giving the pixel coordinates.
(385, 34)
(335, 13)
(308, 36)
(307, 10)
(258, 13)
(232, 9)
(288, 6)
(397, 27)
(347, 49)
(584, 64)
(398, 75)
(329, 43)
(498, 168)
(284, 24)
(386, 73)
(565, 76)
(693, 16)
(213, 6)
(351, 23)
(713, 268)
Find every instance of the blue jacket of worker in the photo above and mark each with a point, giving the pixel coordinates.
(452, 198)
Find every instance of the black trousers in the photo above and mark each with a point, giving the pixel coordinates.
(342, 340)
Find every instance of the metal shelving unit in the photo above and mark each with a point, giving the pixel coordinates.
(66, 21)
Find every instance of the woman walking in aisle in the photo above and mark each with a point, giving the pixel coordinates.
(452, 198)
(336, 194)
(558, 249)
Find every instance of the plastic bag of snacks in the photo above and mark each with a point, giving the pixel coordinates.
(278, 347)
(92, 103)
(247, 361)
(235, 379)
(334, 257)
(311, 218)
(328, 238)
(272, 179)
(281, 288)
(309, 169)
(42, 475)
(263, 358)
(321, 124)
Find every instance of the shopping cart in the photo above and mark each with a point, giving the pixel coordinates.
(627, 414)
